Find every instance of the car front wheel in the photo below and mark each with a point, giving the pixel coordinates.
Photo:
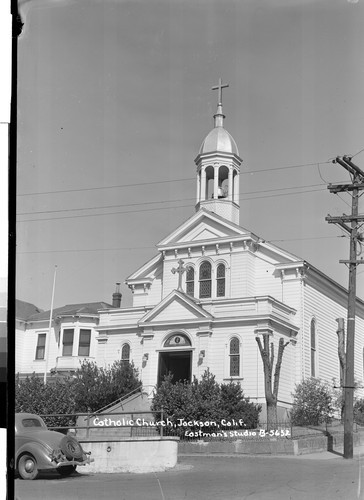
(27, 467)
(66, 470)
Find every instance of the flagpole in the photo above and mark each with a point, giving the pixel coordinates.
(48, 340)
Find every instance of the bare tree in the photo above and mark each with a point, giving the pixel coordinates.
(271, 395)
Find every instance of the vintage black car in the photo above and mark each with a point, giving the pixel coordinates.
(39, 449)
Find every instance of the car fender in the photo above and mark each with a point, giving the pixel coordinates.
(39, 452)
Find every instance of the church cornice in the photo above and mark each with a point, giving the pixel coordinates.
(207, 323)
(209, 242)
(216, 155)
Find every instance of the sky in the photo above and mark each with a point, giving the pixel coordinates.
(115, 99)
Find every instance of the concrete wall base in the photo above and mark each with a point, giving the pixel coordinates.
(269, 446)
(132, 455)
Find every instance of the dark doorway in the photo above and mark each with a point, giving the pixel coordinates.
(176, 362)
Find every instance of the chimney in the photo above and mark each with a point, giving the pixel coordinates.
(116, 296)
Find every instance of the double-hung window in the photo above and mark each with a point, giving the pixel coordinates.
(68, 334)
(84, 342)
(40, 350)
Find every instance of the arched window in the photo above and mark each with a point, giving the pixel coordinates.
(205, 280)
(234, 354)
(313, 348)
(220, 280)
(125, 353)
(190, 281)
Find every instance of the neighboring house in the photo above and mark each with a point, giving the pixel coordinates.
(58, 349)
(214, 286)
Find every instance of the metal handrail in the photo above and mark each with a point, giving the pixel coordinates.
(140, 387)
(90, 415)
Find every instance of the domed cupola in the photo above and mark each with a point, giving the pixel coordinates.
(218, 168)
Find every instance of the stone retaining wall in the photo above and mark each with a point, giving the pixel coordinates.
(269, 446)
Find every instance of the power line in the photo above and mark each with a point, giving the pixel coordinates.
(308, 238)
(158, 202)
(356, 154)
(164, 208)
(166, 181)
(153, 247)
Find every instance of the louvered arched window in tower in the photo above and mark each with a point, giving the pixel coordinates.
(234, 355)
(205, 280)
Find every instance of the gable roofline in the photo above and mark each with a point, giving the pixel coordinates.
(175, 294)
(316, 277)
(87, 309)
(199, 215)
(25, 309)
(135, 276)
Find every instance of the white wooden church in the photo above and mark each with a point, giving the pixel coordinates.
(213, 286)
(202, 300)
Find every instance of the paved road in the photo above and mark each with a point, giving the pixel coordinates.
(323, 477)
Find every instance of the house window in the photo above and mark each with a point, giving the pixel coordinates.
(220, 281)
(205, 280)
(190, 281)
(125, 353)
(313, 348)
(234, 354)
(40, 351)
(84, 343)
(67, 342)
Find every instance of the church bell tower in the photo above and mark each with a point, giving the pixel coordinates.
(218, 169)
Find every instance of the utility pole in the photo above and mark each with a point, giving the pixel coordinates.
(356, 221)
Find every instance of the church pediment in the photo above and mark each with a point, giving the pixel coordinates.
(203, 226)
(175, 305)
(148, 272)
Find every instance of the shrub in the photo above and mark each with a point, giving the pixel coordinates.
(33, 396)
(312, 404)
(91, 389)
(237, 406)
(202, 401)
(96, 387)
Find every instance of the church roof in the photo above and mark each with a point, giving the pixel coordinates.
(219, 139)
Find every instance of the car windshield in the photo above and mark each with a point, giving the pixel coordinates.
(31, 422)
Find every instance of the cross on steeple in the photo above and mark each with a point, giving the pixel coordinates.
(180, 270)
(219, 87)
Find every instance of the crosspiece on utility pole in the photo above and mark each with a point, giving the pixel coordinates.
(354, 262)
(339, 188)
(345, 218)
(357, 185)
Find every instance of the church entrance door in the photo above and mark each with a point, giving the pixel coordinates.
(178, 363)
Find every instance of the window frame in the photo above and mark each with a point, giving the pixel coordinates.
(125, 345)
(84, 344)
(313, 348)
(205, 280)
(65, 331)
(190, 282)
(220, 279)
(38, 346)
(234, 355)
